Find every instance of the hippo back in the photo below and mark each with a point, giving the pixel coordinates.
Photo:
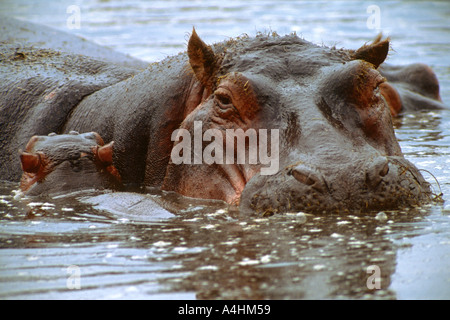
(39, 89)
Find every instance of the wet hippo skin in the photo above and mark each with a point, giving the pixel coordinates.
(331, 109)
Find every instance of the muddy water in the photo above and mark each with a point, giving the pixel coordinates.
(64, 248)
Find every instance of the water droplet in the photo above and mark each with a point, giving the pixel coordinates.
(381, 216)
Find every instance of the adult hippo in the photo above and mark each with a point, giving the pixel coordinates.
(331, 110)
(69, 162)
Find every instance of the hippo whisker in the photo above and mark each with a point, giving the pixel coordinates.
(436, 196)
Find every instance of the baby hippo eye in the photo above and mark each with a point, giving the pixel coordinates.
(76, 165)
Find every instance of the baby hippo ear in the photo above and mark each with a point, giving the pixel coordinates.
(202, 59)
(375, 53)
(31, 162)
(105, 153)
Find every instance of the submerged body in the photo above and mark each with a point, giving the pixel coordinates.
(331, 110)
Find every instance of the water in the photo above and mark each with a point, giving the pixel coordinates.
(65, 249)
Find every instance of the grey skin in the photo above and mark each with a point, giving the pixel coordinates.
(39, 89)
(338, 151)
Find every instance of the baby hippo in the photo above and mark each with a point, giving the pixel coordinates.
(56, 164)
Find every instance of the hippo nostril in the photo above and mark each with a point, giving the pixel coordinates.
(385, 170)
(377, 170)
(309, 178)
(303, 177)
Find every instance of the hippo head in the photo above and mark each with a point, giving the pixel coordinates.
(286, 125)
(68, 162)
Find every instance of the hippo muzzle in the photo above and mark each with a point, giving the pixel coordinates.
(382, 183)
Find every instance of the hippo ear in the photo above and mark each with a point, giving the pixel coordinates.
(201, 59)
(31, 162)
(375, 53)
(105, 153)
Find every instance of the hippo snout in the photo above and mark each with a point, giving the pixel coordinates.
(380, 183)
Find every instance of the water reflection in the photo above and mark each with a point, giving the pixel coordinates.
(323, 257)
(204, 252)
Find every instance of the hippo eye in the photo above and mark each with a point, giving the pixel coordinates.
(224, 103)
(223, 99)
